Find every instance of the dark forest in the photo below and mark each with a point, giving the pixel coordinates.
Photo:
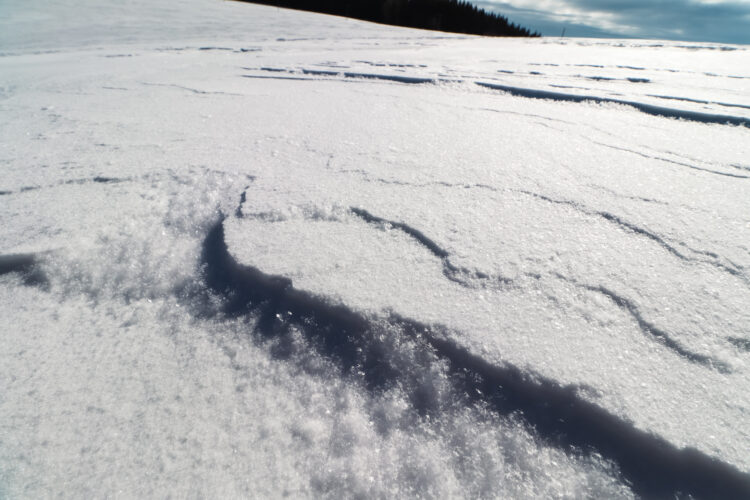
(454, 16)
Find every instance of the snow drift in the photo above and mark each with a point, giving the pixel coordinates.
(256, 252)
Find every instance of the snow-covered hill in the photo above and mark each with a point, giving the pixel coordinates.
(255, 252)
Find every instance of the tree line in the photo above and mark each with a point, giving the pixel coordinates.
(455, 16)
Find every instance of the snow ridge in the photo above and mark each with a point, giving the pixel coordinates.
(560, 414)
(732, 269)
(464, 277)
(468, 279)
(652, 330)
(649, 109)
(682, 164)
(529, 93)
(467, 268)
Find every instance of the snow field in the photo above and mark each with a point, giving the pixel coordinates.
(271, 253)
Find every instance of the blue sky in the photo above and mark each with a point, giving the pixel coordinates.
(726, 21)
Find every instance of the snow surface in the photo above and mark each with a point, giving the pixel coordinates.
(255, 252)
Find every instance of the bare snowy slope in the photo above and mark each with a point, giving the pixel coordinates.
(255, 252)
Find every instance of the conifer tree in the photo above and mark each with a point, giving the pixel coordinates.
(456, 16)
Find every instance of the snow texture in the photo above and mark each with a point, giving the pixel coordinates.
(255, 252)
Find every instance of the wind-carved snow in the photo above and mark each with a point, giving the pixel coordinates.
(464, 277)
(257, 252)
(474, 279)
(429, 77)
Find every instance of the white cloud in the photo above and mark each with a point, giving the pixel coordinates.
(704, 20)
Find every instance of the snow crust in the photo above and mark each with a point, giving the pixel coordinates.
(573, 214)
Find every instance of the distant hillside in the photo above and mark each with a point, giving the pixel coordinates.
(453, 16)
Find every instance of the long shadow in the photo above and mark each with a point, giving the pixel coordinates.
(642, 107)
(699, 101)
(350, 74)
(652, 466)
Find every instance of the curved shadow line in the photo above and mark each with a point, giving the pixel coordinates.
(635, 229)
(652, 466)
(462, 277)
(667, 160)
(649, 109)
(459, 275)
(660, 335)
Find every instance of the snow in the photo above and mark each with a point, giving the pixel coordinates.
(255, 252)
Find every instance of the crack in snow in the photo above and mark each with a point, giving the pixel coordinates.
(648, 328)
(243, 198)
(627, 197)
(644, 155)
(467, 278)
(189, 89)
(733, 270)
(98, 180)
(699, 101)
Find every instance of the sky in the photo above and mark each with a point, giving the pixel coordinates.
(724, 21)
